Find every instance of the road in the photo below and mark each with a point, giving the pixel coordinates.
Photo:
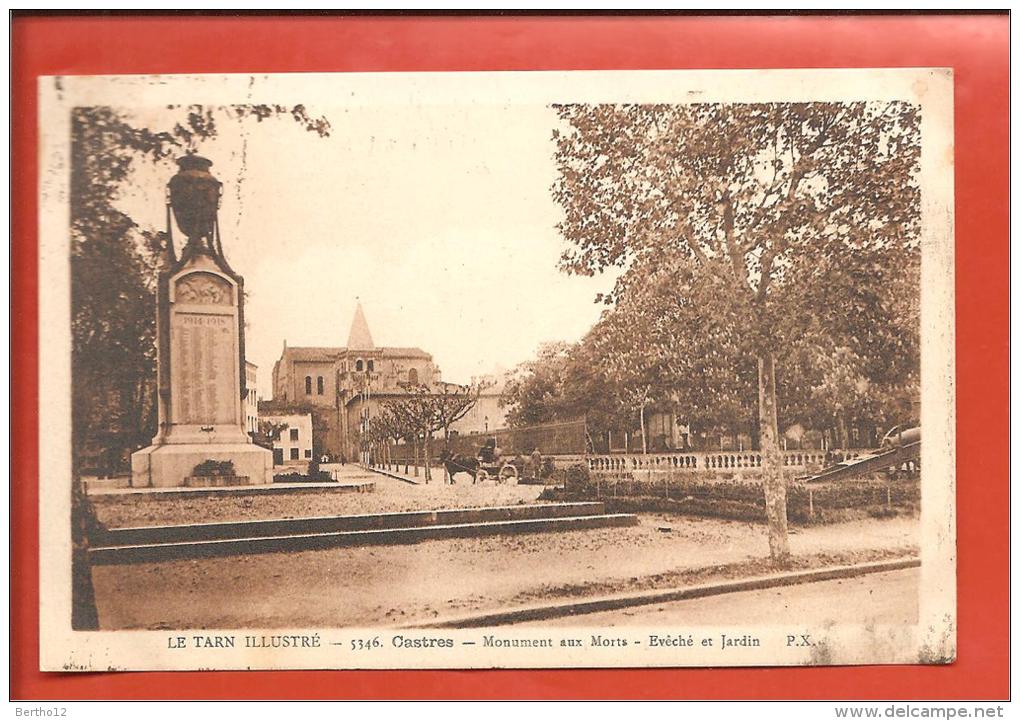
(884, 598)
(395, 585)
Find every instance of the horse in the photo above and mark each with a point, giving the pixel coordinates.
(456, 463)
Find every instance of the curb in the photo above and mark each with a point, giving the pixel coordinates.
(266, 489)
(644, 598)
(395, 476)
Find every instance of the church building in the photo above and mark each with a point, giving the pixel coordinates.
(344, 387)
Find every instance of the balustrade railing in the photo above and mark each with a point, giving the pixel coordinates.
(735, 461)
(721, 461)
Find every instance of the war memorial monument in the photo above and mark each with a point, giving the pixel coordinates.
(200, 347)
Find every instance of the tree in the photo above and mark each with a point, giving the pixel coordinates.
(767, 211)
(402, 420)
(112, 288)
(698, 360)
(590, 392)
(565, 381)
(450, 403)
(423, 411)
(534, 390)
(453, 401)
(417, 412)
(635, 344)
(388, 426)
(269, 432)
(653, 343)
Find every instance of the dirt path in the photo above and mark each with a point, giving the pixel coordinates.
(398, 584)
(389, 496)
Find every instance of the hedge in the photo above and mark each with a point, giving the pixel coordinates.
(317, 477)
(741, 498)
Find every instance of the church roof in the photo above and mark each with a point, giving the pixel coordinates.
(360, 337)
(307, 353)
(328, 355)
(406, 353)
(359, 341)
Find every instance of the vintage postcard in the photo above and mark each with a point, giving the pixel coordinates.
(481, 370)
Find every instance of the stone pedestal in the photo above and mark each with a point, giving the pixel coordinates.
(172, 464)
(200, 340)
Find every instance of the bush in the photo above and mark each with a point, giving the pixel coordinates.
(708, 508)
(319, 477)
(577, 478)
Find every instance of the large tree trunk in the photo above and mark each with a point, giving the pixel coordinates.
(772, 461)
(644, 432)
(446, 447)
(844, 435)
(428, 457)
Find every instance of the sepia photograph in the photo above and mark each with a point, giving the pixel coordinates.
(479, 370)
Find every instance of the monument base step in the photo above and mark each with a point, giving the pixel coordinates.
(216, 481)
(222, 530)
(317, 541)
(172, 464)
(264, 489)
(94, 485)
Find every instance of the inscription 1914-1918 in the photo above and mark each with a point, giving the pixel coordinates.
(203, 361)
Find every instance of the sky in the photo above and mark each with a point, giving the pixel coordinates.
(438, 218)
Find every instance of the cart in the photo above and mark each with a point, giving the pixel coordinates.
(501, 472)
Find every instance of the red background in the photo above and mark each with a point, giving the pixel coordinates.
(976, 47)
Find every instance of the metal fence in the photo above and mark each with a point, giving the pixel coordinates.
(562, 438)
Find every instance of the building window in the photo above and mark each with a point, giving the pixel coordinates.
(293, 434)
(294, 454)
(320, 386)
(412, 376)
(308, 385)
(359, 365)
(371, 366)
(308, 453)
